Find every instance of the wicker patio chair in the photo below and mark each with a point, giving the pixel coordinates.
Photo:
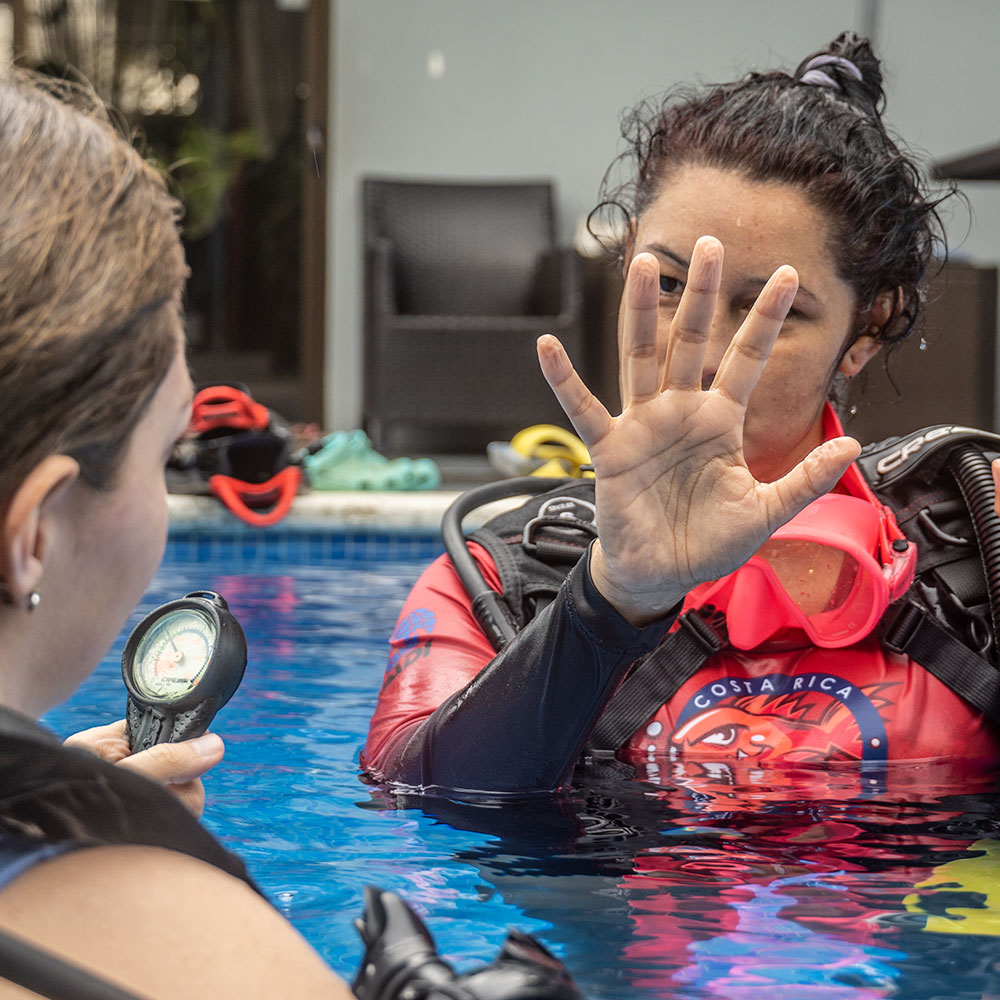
(461, 278)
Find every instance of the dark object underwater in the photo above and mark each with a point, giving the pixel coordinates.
(402, 963)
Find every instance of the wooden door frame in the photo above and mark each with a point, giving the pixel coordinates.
(20, 11)
(316, 158)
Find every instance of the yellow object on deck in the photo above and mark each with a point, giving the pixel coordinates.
(541, 450)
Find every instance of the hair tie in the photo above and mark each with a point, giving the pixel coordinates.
(813, 73)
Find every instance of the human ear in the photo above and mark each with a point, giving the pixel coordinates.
(869, 341)
(887, 304)
(26, 533)
(859, 354)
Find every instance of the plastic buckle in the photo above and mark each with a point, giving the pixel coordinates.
(703, 633)
(551, 549)
(901, 630)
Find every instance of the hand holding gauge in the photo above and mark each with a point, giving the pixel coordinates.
(181, 664)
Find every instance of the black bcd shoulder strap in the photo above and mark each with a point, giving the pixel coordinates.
(534, 546)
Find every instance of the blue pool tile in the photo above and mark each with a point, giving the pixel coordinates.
(300, 548)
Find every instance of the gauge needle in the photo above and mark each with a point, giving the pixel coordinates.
(179, 658)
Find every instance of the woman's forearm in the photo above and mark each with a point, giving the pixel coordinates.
(521, 723)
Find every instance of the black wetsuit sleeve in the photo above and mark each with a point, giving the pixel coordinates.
(522, 722)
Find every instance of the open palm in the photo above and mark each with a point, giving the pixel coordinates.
(676, 503)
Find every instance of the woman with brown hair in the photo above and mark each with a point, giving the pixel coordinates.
(102, 870)
(98, 864)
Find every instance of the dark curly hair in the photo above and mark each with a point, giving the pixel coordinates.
(819, 129)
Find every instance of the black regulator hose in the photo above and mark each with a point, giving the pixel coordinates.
(487, 604)
(972, 471)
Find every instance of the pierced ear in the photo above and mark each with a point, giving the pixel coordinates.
(885, 306)
(25, 530)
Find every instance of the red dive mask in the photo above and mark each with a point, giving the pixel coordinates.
(830, 573)
(242, 451)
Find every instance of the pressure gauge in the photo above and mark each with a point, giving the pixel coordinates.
(181, 664)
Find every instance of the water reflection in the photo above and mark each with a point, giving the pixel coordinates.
(699, 877)
(736, 881)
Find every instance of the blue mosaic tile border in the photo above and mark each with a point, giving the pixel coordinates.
(300, 548)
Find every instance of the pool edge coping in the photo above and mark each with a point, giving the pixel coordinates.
(360, 512)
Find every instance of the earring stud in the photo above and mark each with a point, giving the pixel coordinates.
(32, 602)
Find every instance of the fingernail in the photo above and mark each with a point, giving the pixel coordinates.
(206, 745)
(645, 274)
(787, 294)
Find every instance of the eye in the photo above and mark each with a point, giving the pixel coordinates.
(670, 286)
(724, 736)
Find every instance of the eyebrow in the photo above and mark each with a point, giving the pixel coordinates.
(755, 284)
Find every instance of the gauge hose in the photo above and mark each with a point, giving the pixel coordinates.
(972, 471)
(487, 605)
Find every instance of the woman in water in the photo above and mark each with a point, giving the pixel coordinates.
(777, 240)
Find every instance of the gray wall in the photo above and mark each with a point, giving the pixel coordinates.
(528, 88)
(943, 97)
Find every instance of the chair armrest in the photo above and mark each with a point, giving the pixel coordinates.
(381, 286)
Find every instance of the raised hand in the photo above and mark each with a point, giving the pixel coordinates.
(676, 503)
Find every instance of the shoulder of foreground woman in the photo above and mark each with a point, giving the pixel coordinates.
(164, 925)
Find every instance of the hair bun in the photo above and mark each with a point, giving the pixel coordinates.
(848, 65)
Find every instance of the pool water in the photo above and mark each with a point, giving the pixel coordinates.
(712, 881)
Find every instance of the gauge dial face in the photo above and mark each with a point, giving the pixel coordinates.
(173, 655)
